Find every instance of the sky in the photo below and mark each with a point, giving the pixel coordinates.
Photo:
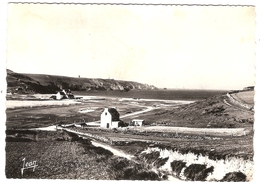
(191, 47)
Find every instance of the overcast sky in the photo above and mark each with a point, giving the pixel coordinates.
(201, 47)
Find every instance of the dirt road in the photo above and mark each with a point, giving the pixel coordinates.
(149, 108)
(115, 151)
(234, 102)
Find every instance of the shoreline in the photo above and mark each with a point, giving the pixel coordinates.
(38, 101)
(13, 104)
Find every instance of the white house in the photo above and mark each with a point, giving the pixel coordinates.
(136, 122)
(110, 118)
(64, 94)
(61, 95)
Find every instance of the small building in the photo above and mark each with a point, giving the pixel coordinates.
(64, 94)
(110, 118)
(83, 125)
(61, 95)
(136, 122)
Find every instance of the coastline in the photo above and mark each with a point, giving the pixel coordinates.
(41, 100)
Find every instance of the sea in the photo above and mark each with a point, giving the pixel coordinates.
(178, 94)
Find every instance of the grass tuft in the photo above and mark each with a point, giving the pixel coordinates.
(234, 176)
(192, 170)
(177, 166)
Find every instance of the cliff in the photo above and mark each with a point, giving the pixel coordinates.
(39, 83)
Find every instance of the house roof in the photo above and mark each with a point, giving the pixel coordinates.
(114, 113)
(61, 93)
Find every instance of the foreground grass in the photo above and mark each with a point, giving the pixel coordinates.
(56, 160)
(215, 147)
(59, 156)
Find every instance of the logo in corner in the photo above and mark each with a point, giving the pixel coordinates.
(28, 165)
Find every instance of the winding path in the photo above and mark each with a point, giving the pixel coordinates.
(116, 152)
(120, 153)
(149, 108)
(232, 102)
(236, 103)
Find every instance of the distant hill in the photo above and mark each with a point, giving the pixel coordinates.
(39, 83)
(219, 111)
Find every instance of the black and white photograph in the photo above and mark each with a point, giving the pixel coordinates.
(128, 91)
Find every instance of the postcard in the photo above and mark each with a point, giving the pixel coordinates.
(130, 91)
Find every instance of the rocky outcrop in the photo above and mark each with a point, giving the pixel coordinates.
(35, 83)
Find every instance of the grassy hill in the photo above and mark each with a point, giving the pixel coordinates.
(38, 83)
(213, 112)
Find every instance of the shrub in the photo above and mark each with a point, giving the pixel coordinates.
(146, 175)
(123, 169)
(72, 137)
(138, 173)
(119, 163)
(192, 170)
(85, 141)
(151, 157)
(130, 173)
(177, 166)
(160, 162)
(234, 176)
(102, 151)
(117, 167)
(202, 175)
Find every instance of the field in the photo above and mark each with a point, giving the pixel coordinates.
(61, 156)
(54, 159)
(31, 114)
(222, 146)
(212, 128)
(62, 160)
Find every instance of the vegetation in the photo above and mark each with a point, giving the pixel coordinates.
(213, 147)
(198, 172)
(213, 112)
(124, 169)
(62, 155)
(234, 176)
(158, 152)
(196, 167)
(177, 166)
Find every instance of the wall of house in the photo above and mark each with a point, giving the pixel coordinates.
(114, 124)
(58, 96)
(139, 123)
(105, 119)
